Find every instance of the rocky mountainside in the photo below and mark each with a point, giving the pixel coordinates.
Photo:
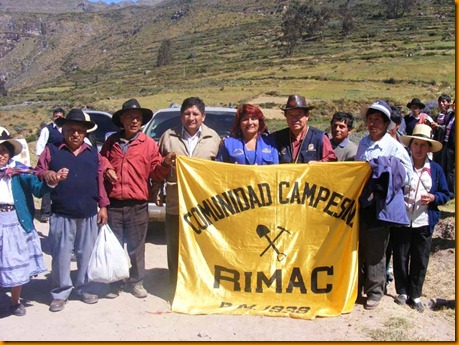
(56, 51)
(66, 6)
(37, 47)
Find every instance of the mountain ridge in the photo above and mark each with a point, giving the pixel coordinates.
(228, 51)
(67, 6)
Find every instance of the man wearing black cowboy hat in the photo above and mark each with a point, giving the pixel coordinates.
(301, 143)
(132, 158)
(416, 116)
(74, 208)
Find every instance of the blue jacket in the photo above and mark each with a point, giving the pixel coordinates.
(441, 192)
(233, 150)
(24, 187)
(382, 200)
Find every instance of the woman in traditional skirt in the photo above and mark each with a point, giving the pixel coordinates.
(20, 251)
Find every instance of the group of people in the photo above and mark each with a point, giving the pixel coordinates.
(88, 188)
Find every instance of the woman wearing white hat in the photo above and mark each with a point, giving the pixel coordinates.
(20, 251)
(411, 245)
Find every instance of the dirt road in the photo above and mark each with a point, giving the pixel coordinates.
(150, 319)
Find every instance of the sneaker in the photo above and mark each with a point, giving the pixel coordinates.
(371, 304)
(415, 305)
(57, 305)
(401, 299)
(138, 291)
(18, 309)
(89, 298)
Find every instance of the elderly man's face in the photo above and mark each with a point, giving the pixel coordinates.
(376, 126)
(132, 122)
(297, 119)
(74, 133)
(192, 119)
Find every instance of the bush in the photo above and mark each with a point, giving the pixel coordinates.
(269, 105)
(390, 81)
(32, 137)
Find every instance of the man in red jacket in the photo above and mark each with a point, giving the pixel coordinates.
(131, 159)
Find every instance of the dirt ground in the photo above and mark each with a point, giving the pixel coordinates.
(150, 319)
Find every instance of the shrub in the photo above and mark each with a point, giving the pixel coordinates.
(390, 81)
(31, 137)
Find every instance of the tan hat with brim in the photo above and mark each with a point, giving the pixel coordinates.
(422, 132)
(16, 145)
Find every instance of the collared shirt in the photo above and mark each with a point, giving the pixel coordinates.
(341, 144)
(420, 184)
(43, 139)
(134, 169)
(328, 155)
(345, 150)
(124, 143)
(386, 146)
(191, 140)
(296, 142)
(45, 159)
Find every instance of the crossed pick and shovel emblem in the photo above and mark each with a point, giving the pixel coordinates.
(263, 231)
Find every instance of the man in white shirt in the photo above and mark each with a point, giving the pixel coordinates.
(193, 139)
(373, 241)
(50, 134)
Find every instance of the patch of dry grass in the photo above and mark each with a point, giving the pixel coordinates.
(395, 329)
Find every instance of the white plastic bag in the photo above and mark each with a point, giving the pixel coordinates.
(109, 262)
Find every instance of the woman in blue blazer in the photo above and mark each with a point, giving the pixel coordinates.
(248, 142)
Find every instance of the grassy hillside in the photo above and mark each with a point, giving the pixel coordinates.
(230, 52)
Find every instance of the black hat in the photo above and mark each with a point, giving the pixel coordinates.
(76, 115)
(128, 105)
(297, 102)
(416, 101)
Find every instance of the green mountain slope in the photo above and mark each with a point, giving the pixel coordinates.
(225, 52)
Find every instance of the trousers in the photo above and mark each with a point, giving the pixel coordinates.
(372, 260)
(129, 222)
(66, 234)
(411, 248)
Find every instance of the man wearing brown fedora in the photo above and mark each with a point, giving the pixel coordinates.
(301, 143)
(132, 158)
(74, 208)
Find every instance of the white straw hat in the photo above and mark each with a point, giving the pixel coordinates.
(422, 132)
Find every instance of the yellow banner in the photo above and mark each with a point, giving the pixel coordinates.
(278, 240)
